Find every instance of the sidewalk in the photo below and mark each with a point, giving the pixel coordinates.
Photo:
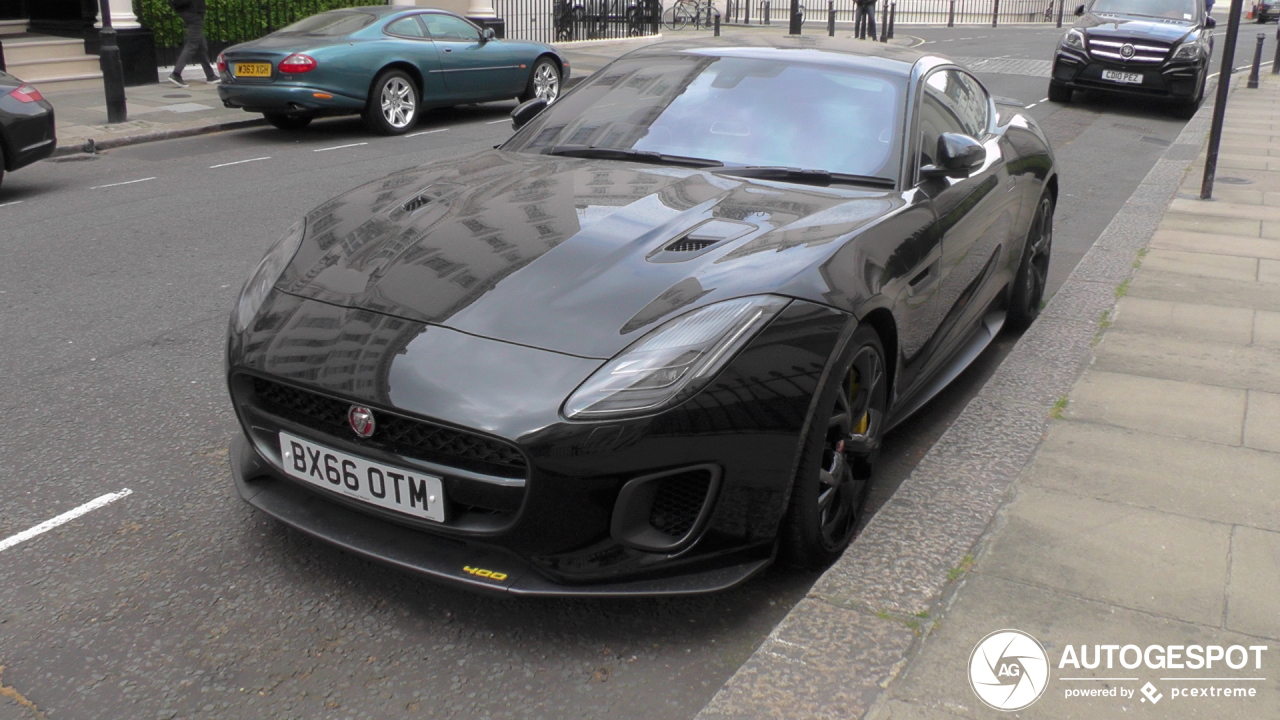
(1148, 515)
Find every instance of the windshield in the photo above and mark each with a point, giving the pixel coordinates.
(330, 23)
(1172, 9)
(734, 110)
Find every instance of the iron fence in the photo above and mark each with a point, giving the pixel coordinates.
(568, 20)
(927, 12)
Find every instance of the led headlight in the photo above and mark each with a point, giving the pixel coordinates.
(1189, 50)
(1073, 39)
(673, 362)
(267, 273)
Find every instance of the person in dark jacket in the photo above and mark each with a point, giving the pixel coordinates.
(192, 13)
(865, 22)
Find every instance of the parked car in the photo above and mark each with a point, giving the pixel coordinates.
(1149, 48)
(655, 338)
(387, 63)
(27, 132)
(1264, 11)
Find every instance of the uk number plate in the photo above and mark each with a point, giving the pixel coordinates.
(1122, 77)
(253, 70)
(386, 486)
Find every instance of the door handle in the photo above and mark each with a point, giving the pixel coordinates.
(448, 49)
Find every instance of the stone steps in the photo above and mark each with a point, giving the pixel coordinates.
(50, 63)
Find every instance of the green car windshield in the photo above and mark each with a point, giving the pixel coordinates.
(330, 24)
(735, 109)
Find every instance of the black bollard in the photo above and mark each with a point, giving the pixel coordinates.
(1060, 4)
(112, 69)
(1275, 64)
(1220, 101)
(884, 24)
(893, 7)
(951, 15)
(1257, 63)
(768, 13)
(794, 27)
(831, 18)
(995, 12)
(717, 30)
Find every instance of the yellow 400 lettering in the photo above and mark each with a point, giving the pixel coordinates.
(479, 572)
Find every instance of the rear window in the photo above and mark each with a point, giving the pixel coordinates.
(330, 23)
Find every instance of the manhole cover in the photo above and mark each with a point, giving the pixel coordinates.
(1234, 180)
(178, 95)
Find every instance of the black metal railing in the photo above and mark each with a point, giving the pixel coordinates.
(569, 20)
(928, 12)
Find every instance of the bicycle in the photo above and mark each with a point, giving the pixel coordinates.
(681, 14)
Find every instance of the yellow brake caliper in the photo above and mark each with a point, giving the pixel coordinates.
(860, 427)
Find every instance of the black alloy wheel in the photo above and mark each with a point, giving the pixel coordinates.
(288, 121)
(1033, 272)
(840, 452)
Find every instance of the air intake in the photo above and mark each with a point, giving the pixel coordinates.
(700, 239)
(666, 511)
(417, 203)
(423, 198)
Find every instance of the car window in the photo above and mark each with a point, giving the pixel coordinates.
(963, 96)
(936, 117)
(330, 23)
(1171, 9)
(448, 27)
(406, 27)
(738, 109)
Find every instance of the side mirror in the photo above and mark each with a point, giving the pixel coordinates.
(1079, 10)
(486, 35)
(957, 156)
(1210, 23)
(526, 111)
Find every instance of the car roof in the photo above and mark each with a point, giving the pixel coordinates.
(843, 52)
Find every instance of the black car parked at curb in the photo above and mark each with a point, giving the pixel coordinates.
(654, 339)
(27, 132)
(1150, 48)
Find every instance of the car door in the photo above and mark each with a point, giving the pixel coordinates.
(975, 212)
(473, 68)
(408, 39)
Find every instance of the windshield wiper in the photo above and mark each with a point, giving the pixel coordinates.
(586, 151)
(823, 178)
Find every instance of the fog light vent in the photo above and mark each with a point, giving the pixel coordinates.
(665, 511)
(678, 501)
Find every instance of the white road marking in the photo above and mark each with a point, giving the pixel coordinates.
(425, 132)
(1028, 107)
(240, 162)
(65, 517)
(339, 147)
(15, 202)
(495, 122)
(126, 182)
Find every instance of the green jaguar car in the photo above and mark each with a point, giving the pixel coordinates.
(386, 63)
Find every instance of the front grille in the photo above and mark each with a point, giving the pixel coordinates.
(1144, 51)
(394, 433)
(678, 502)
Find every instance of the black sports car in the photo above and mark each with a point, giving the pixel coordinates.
(1153, 48)
(656, 337)
(27, 131)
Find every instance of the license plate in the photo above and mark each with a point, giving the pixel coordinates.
(386, 486)
(253, 70)
(1122, 77)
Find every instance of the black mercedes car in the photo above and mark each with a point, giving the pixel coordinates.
(652, 341)
(27, 132)
(1152, 48)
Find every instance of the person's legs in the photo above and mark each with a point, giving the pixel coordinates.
(192, 38)
(209, 74)
(871, 21)
(860, 22)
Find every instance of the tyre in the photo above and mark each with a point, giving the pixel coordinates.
(840, 451)
(1187, 108)
(675, 18)
(1059, 93)
(1, 165)
(544, 81)
(393, 103)
(1033, 271)
(288, 121)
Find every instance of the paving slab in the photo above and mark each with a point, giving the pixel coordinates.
(1200, 264)
(1177, 287)
(1213, 323)
(1255, 584)
(1189, 360)
(1262, 421)
(1165, 407)
(1266, 328)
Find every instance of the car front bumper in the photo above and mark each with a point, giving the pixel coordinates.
(1176, 80)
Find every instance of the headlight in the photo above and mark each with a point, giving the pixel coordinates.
(1189, 50)
(267, 273)
(673, 362)
(1073, 39)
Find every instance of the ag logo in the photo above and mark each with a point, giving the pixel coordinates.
(1008, 670)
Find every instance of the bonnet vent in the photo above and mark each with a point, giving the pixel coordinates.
(700, 239)
(423, 198)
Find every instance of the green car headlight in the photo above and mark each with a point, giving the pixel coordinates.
(264, 277)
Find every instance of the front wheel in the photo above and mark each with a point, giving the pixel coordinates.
(544, 82)
(1059, 93)
(288, 121)
(843, 443)
(393, 103)
(1033, 272)
(675, 17)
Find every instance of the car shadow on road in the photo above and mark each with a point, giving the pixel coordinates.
(351, 127)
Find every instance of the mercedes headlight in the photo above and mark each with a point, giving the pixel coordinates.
(1074, 39)
(674, 361)
(267, 273)
(1189, 50)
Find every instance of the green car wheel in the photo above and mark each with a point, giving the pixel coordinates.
(393, 103)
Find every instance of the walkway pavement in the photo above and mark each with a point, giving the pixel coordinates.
(1149, 514)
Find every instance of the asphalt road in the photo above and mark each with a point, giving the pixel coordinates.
(179, 601)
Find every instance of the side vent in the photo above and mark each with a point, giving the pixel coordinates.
(700, 239)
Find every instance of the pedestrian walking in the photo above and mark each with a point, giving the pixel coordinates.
(865, 22)
(192, 14)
